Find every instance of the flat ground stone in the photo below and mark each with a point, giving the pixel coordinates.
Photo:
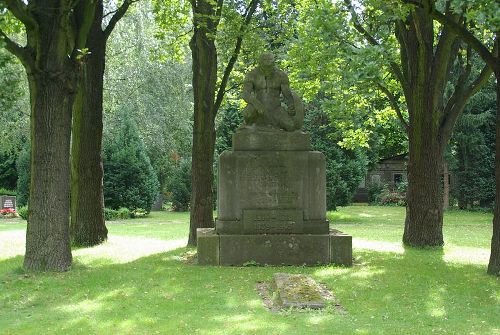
(297, 291)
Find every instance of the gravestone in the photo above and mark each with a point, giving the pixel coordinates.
(8, 201)
(271, 206)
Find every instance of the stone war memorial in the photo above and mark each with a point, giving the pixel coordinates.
(271, 206)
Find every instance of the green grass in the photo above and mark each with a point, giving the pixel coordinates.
(137, 284)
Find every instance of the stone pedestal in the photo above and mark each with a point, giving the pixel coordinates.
(271, 206)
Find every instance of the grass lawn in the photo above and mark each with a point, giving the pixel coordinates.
(137, 283)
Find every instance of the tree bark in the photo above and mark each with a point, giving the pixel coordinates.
(87, 199)
(204, 58)
(47, 236)
(494, 263)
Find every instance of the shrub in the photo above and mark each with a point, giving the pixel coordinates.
(23, 176)
(124, 213)
(129, 178)
(4, 191)
(23, 212)
(391, 197)
(374, 191)
(180, 186)
(110, 214)
(8, 213)
(139, 213)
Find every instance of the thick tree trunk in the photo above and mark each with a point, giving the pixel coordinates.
(204, 57)
(494, 263)
(87, 199)
(424, 210)
(47, 236)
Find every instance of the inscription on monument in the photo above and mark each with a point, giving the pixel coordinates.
(273, 221)
(268, 188)
(8, 202)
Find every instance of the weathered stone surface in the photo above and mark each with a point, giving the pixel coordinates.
(297, 291)
(249, 139)
(340, 248)
(208, 246)
(292, 249)
(274, 181)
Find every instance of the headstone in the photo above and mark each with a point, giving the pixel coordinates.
(271, 206)
(8, 201)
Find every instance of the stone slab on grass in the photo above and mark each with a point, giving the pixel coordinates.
(297, 291)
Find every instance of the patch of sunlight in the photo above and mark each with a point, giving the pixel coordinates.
(331, 271)
(12, 243)
(380, 246)
(466, 255)
(366, 272)
(366, 215)
(90, 305)
(316, 319)
(254, 303)
(435, 303)
(124, 249)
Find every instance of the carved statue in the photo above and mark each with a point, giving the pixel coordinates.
(263, 90)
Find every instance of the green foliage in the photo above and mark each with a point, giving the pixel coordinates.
(129, 178)
(110, 214)
(387, 196)
(8, 173)
(473, 152)
(124, 213)
(23, 175)
(23, 212)
(345, 168)
(228, 120)
(4, 191)
(154, 91)
(14, 107)
(179, 185)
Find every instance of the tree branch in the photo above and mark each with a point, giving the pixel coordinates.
(17, 50)
(21, 12)
(395, 69)
(456, 103)
(227, 71)
(395, 106)
(119, 13)
(467, 37)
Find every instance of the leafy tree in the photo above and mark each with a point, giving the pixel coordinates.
(473, 148)
(396, 50)
(129, 178)
(153, 89)
(207, 101)
(56, 32)
(345, 168)
(482, 35)
(180, 185)
(87, 203)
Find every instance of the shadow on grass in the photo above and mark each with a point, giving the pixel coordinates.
(385, 293)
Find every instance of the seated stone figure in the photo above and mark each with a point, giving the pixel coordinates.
(263, 89)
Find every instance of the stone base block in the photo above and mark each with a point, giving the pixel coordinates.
(290, 249)
(293, 249)
(340, 248)
(208, 246)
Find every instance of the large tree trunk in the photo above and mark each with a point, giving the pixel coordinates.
(494, 263)
(204, 55)
(87, 199)
(424, 210)
(47, 236)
